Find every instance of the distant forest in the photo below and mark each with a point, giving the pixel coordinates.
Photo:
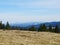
(42, 28)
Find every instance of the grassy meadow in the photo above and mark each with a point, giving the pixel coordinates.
(17, 37)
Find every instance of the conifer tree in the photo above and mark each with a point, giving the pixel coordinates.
(0, 24)
(7, 25)
(57, 29)
(32, 28)
(50, 28)
(42, 27)
(3, 26)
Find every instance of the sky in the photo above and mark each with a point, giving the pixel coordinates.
(22, 11)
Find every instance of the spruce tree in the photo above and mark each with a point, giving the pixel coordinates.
(50, 28)
(32, 28)
(42, 27)
(3, 26)
(7, 25)
(0, 24)
(56, 29)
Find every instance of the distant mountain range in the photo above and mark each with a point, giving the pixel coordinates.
(26, 24)
(52, 23)
(36, 24)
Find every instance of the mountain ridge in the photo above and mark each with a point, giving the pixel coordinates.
(36, 24)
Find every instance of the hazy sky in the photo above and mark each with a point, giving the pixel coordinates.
(29, 10)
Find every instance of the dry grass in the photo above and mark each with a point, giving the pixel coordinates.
(28, 38)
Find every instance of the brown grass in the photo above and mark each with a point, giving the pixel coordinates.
(28, 38)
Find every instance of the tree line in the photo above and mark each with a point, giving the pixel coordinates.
(4, 26)
(44, 28)
(41, 28)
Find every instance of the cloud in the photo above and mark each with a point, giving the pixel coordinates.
(29, 10)
(34, 4)
(28, 18)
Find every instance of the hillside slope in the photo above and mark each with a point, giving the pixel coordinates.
(17, 37)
